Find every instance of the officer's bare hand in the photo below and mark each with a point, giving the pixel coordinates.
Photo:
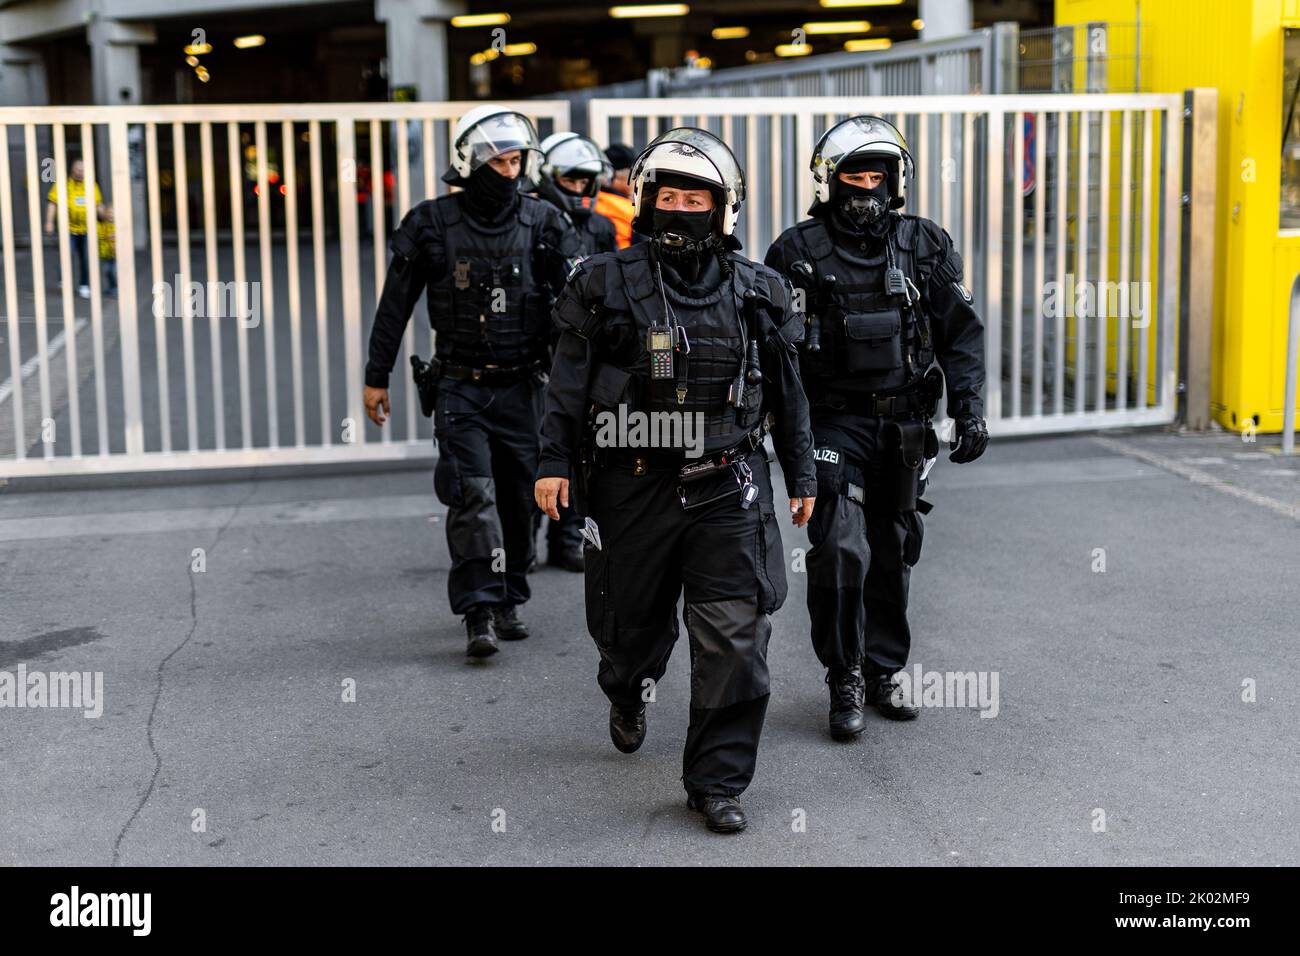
(548, 491)
(801, 510)
(377, 399)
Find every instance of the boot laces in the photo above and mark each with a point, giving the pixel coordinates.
(846, 686)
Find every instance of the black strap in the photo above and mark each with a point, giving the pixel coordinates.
(489, 376)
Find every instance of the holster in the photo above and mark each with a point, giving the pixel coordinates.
(910, 437)
(425, 376)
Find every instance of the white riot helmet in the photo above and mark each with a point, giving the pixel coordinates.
(486, 132)
(696, 153)
(568, 154)
(859, 137)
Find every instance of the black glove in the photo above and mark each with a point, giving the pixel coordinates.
(972, 438)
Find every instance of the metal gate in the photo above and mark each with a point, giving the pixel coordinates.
(214, 351)
(221, 352)
(1065, 208)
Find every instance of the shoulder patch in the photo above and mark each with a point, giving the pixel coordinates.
(964, 292)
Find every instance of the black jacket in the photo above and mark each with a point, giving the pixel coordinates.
(957, 329)
(419, 260)
(580, 316)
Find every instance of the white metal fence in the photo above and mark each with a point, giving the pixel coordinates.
(1095, 231)
(251, 243)
(252, 354)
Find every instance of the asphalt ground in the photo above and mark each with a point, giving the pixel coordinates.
(1145, 713)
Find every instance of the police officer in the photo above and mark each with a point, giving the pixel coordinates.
(885, 302)
(491, 259)
(568, 177)
(681, 324)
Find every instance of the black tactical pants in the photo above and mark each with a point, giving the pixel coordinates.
(862, 552)
(487, 457)
(729, 564)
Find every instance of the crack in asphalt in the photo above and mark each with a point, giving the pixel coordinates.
(158, 689)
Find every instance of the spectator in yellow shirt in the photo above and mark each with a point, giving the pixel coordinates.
(76, 220)
(108, 249)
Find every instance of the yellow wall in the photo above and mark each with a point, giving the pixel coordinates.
(1236, 47)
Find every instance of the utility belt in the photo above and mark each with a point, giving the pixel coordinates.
(426, 376)
(693, 489)
(903, 405)
(495, 375)
(920, 401)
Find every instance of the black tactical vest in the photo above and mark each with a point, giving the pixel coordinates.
(489, 307)
(713, 329)
(871, 341)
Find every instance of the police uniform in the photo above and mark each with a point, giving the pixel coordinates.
(490, 288)
(873, 392)
(664, 533)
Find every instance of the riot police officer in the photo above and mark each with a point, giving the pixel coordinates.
(885, 302)
(681, 324)
(492, 259)
(568, 177)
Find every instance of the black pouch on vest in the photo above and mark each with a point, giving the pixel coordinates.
(873, 341)
(608, 385)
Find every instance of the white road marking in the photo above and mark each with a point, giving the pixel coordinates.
(1199, 477)
(28, 368)
(164, 521)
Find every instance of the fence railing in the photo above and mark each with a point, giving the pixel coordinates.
(1065, 208)
(250, 245)
(251, 242)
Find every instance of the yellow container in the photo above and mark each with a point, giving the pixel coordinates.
(1235, 47)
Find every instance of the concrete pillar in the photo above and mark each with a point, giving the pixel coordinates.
(945, 18)
(115, 81)
(22, 77)
(417, 44)
(115, 60)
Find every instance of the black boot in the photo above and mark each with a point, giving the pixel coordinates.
(627, 727)
(507, 624)
(568, 558)
(884, 695)
(721, 814)
(478, 624)
(848, 690)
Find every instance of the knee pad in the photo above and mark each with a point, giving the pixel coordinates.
(728, 651)
(473, 526)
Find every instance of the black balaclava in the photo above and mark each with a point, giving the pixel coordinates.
(857, 211)
(489, 196)
(687, 241)
(565, 199)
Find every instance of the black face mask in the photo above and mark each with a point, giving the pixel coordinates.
(489, 193)
(564, 199)
(683, 235)
(863, 206)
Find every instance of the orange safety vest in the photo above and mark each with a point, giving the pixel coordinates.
(617, 210)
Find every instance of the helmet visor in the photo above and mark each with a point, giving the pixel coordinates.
(860, 134)
(693, 145)
(576, 154)
(497, 134)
